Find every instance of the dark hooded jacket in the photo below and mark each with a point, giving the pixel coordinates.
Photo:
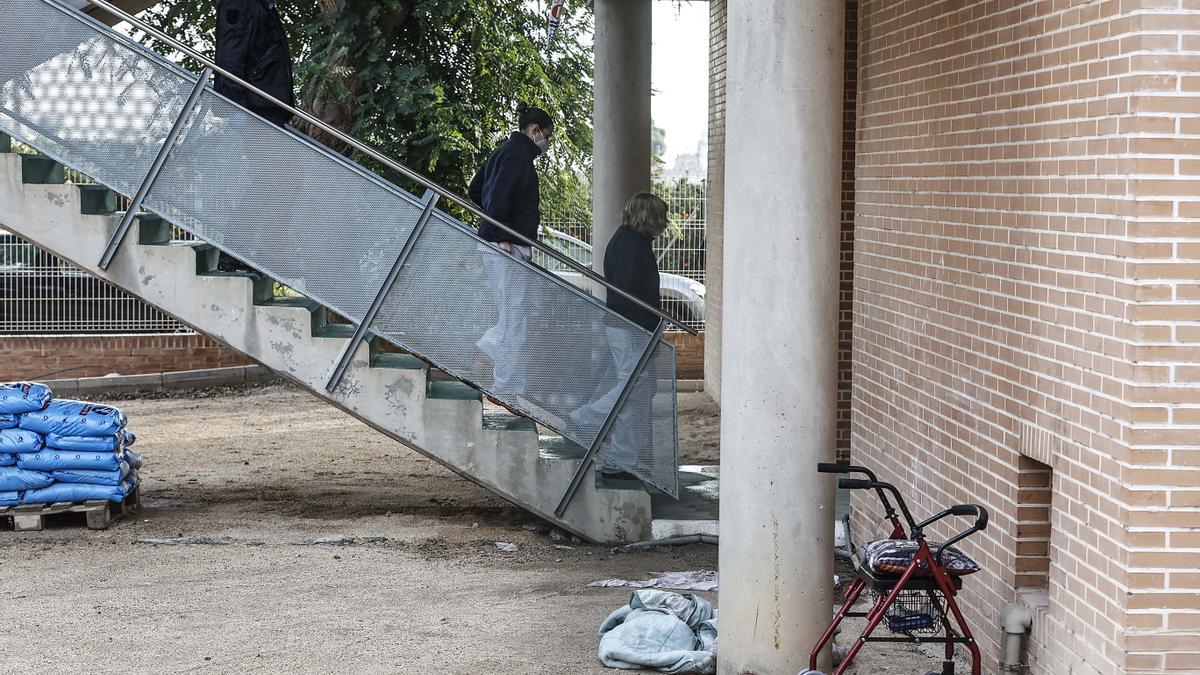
(506, 188)
(252, 44)
(629, 264)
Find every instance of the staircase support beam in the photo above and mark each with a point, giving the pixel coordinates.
(363, 328)
(160, 161)
(626, 392)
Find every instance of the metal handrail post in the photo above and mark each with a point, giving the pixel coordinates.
(626, 392)
(360, 333)
(160, 160)
(353, 142)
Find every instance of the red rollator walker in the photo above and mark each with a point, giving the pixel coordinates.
(914, 585)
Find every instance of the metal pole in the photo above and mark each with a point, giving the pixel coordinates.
(626, 391)
(362, 147)
(360, 333)
(165, 151)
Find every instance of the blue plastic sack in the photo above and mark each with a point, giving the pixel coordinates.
(15, 479)
(134, 459)
(75, 418)
(7, 459)
(8, 421)
(93, 477)
(18, 441)
(75, 492)
(22, 397)
(59, 460)
(85, 443)
(10, 498)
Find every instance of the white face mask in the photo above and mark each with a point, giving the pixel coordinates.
(543, 144)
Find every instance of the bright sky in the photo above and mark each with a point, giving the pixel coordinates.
(680, 74)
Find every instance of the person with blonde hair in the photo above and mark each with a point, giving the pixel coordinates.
(629, 264)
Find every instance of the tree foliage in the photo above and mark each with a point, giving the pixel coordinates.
(433, 83)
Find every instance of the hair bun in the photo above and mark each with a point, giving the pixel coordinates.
(522, 108)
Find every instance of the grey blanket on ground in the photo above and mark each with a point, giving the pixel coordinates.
(668, 632)
(698, 580)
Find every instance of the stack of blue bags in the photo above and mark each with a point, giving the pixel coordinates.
(58, 450)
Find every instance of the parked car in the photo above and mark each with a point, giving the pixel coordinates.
(681, 297)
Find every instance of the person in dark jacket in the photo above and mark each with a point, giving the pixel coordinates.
(506, 188)
(629, 262)
(630, 265)
(252, 44)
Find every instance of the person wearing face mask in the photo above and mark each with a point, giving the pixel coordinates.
(506, 188)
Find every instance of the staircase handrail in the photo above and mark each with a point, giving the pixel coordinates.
(388, 161)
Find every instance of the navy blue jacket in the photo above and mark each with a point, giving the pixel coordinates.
(506, 188)
(629, 264)
(252, 44)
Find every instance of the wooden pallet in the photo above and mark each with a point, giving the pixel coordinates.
(100, 514)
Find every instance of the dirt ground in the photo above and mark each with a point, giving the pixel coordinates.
(281, 535)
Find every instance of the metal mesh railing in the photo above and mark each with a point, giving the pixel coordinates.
(101, 104)
(680, 250)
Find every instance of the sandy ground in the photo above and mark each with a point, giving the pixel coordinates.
(280, 535)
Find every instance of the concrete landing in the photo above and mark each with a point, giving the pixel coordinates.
(697, 510)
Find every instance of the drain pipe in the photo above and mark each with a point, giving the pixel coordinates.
(1015, 620)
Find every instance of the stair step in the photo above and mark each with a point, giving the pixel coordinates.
(41, 170)
(335, 330)
(153, 230)
(97, 200)
(315, 309)
(606, 483)
(5, 143)
(454, 391)
(557, 449)
(399, 361)
(505, 421)
(207, 257)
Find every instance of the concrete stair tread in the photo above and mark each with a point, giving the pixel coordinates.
(41, 170)
(454, 391)
(497, 420)
(96, 199)
(399, 361)
(696, 511)
(291, 301)
(558, 448)
(335, 330)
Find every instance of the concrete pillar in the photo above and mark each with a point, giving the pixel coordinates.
(621, 115)
(779, 352)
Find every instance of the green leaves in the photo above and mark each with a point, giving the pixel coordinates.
(434, 83)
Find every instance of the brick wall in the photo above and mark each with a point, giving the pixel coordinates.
(37, 357)
(715, 226)
(846, 273)
(1026, 256)
(689, 355)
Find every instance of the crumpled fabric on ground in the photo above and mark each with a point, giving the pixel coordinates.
(665, 631)
(696, 580)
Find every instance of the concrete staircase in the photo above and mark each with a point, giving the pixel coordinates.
(394, 393)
